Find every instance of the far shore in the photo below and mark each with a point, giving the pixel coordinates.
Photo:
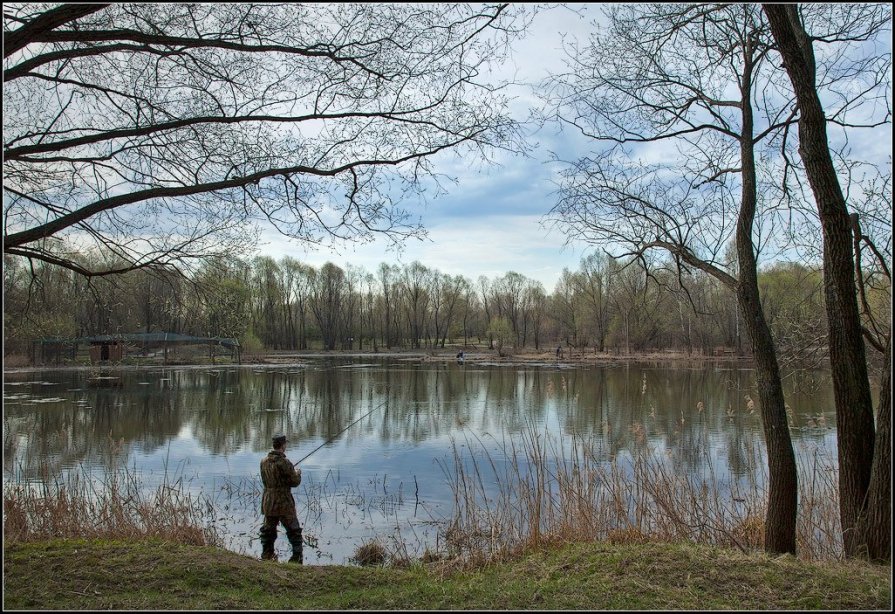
(484, 357)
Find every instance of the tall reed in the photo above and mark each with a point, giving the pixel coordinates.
(534, 489)
(112, 505)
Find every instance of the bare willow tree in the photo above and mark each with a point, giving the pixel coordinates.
(864, 456)
(692, 107)
(698, 116)
(158, 134)
(683, 80)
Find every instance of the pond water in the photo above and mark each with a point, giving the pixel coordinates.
(387, 474)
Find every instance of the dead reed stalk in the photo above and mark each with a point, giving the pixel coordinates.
(537, 488)
(114, 505)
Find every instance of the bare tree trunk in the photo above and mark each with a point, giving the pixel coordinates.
(780, 522)
(851, 387)
(874, 526)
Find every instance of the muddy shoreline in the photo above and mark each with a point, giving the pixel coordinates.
(291, 358)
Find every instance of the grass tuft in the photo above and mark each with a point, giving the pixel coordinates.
(370, 553)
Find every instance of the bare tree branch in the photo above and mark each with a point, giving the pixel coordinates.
(129, 121)
(45, 23)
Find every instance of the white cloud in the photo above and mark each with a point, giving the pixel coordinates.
(488, 223)
(489, 245)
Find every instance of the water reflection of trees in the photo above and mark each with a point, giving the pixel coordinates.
(96, 426)
(689, 413)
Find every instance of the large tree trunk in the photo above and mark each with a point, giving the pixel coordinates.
(780, 521)
(851, 387)
(875, 524)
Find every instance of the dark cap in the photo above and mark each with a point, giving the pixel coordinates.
(279, 439)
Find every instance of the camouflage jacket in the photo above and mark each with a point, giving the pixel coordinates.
(279, 477)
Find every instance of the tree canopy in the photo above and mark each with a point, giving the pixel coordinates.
(158, 134)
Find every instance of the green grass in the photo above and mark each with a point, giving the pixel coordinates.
(154, 574)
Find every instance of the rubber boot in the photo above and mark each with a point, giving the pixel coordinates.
(267, 542)
(296, 541)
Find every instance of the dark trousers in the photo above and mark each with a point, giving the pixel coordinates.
(269, 536)
(290, 523)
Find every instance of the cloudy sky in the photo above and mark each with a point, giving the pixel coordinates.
(490, 222)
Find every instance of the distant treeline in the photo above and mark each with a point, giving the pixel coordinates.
(603, 306)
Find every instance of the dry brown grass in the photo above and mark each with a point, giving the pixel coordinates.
(749, 532)
(546, 490)
(114, 505)
(628, 535)
(370, 553)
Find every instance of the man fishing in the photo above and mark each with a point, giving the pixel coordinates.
(279, 477)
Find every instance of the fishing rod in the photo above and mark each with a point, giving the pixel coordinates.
(331, 439)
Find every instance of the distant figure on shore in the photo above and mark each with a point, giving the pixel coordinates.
(558, 351)
(461, 357)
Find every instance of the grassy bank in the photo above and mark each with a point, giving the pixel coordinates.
(154, 574)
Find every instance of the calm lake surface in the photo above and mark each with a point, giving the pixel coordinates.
(387, 475)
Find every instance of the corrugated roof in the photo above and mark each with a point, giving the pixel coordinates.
(148, 338)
